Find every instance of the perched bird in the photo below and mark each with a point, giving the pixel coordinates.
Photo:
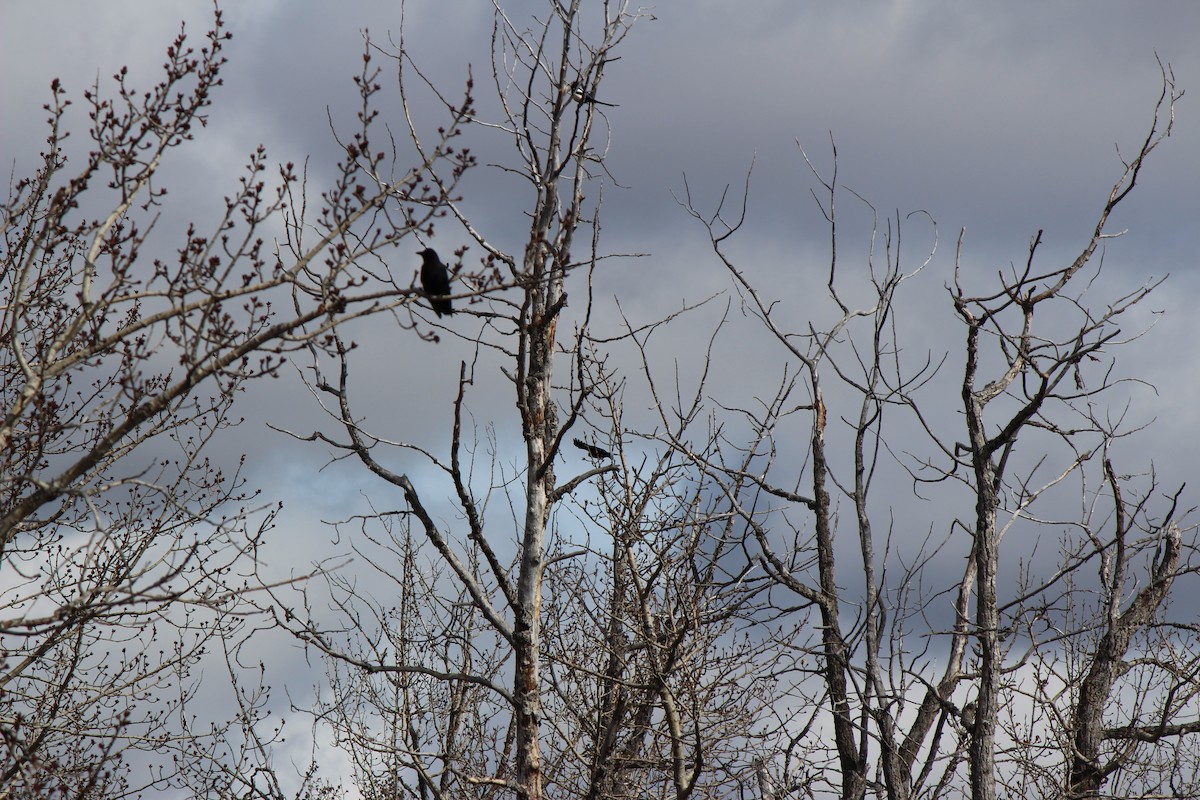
(435, 280)
(592, 450)
(584, 97)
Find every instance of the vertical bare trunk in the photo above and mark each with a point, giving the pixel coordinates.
(540, 427)
(835, 658)
(986, 554)
(982, 757)
(1087, 769)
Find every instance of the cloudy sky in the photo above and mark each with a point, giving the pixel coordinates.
(1000, 118)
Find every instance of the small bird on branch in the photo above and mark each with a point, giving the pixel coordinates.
(584, 97)
(592, 450)
(435, 280)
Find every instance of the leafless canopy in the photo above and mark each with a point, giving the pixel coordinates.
(123, 550)
(893, 569)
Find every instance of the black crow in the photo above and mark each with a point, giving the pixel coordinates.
(435, 280)
(592, 450)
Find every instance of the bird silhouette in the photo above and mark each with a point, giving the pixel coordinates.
(592, 450)
(435, 280)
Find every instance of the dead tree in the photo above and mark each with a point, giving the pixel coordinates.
(904, 704)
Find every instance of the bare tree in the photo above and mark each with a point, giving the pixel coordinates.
(708, 633)
(1020, 681)
(123, 551)
(457, 678)
(679, 617)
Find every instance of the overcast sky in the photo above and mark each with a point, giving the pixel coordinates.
(1000, 118)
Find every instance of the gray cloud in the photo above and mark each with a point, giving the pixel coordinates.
(1000, 118)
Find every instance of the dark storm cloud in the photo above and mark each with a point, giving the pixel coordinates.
(999, 117)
